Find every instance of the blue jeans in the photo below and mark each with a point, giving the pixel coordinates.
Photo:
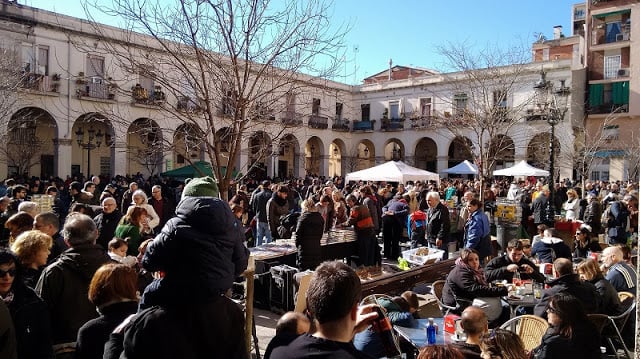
(262, 230)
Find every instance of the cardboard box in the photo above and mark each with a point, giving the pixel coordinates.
(433, 256)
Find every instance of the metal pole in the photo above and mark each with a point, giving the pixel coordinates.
(88, 160)
(551, 208)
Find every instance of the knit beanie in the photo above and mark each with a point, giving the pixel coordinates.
(200, 187)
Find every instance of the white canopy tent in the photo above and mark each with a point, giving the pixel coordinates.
(463, 168)
(522, 168)
(393, 171)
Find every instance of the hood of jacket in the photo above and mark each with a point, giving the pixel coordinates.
(206, 214)
(550, 240)
(84, 259)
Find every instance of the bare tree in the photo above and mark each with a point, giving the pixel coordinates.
(482, 85)
(20, 147)
(232, 65)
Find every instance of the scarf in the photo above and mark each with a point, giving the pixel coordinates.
(279, 200)
(7, 299)
(478, 275)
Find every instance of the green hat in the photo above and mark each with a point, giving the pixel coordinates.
(200, 187)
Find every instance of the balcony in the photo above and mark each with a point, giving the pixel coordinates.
(143, 96)
(291, 119)
(423, 122)
(320, 122)
(392, 124)
(94, 88)
(340, 124)
(365, 126)
(40, 83)
(608, 108)
(188, 104)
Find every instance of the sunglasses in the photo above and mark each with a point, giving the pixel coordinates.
(11, 272)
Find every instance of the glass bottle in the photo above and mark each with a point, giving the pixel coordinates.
(383, 327)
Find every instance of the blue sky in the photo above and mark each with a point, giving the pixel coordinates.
(407, 31)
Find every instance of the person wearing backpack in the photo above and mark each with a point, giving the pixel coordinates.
(417, 222)
(616, 216)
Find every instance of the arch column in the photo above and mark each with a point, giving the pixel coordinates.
(443, 163)
(120, 157)
(273, 165)
(324, 165)
(63, 148)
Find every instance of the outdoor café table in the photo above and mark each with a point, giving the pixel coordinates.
(526, 300)
(417, 335)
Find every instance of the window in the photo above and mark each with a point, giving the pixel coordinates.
(545, 54)
(35, 59)
(500, 98)
(105, 166)
(366, 111)
(95, 67)
(460, 102)
(291, 103)
(146, 78)
(42, 60)
(315, 107)
(425, 107)
(338, 111)
(611, 66)
(394, 110)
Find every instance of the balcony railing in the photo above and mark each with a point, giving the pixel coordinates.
(291, 119)
(144, 96)
(42, 83)
(188, 104)
(363, 125)
(392, 124)
(423, 122)
(340, 124)
(320, 122)
(96, 90)
(607, 108)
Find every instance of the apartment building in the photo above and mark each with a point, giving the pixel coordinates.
(65, 122)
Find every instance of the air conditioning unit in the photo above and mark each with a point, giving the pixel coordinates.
(96, 80)
(622, 36)
(623, 73)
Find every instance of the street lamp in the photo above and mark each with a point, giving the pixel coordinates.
(552, 105)
(93, 141)
(397, 152)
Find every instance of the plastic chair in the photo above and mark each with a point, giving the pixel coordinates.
(611, 327)
(529, 328)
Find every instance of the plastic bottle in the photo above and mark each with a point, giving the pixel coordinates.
(383, 327)
(431, 332)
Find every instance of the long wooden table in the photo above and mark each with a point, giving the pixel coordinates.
(405, 280)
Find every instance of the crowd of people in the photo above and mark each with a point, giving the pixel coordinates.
(114, 260)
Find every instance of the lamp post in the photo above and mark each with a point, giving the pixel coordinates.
(396, 152)
(94, 141)
(553, 107)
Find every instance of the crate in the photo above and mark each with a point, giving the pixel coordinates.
(433, 256)
(281, 297)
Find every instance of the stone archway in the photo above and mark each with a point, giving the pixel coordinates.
(144, 147)
(502, 151)
(538, 150)
(459, 150)
(187, 144)
(259, 150)
(314, 153)
(92, 151)
(426, 154)
(288, 157)
(29, 143)
(394, 150)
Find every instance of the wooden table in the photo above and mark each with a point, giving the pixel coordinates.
(396, 283)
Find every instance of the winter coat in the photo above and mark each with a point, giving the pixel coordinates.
(477, 233)
(95, 333)
(539, 209)
(496, 269)
(617, 223)
(593, 216)
(31, 322)
(571, 207)
(201, 250)
(584, 343)
(438, 224)
(259, 204)
(106, 224)
(63, 285)
(373, 204)
(213, 329)
(462, 285)
(548, 249)
(274, 211)
(8, 347)
(570, 284)
(127, 230)
(609, 295)
(308, 235)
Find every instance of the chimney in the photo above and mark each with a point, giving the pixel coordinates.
(390, 65)
(557, 32)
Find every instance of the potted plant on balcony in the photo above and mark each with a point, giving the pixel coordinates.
(158, 95)
(385, 119)
(55, 82)
(139, 93)
(80, 80)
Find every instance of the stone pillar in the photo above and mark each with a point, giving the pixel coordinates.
(443, 163)
(272, 169)
(120, 158)
(62, 155)
(324, 165)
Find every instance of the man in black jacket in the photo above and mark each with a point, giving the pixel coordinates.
(504, 266)
(107, 221)
(259, 206)
(163, 207)
(438, 223)
(569, 282)
(64, 283)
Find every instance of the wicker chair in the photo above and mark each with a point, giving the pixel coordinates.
(624, 296)
(436, 290)
(529, 328)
